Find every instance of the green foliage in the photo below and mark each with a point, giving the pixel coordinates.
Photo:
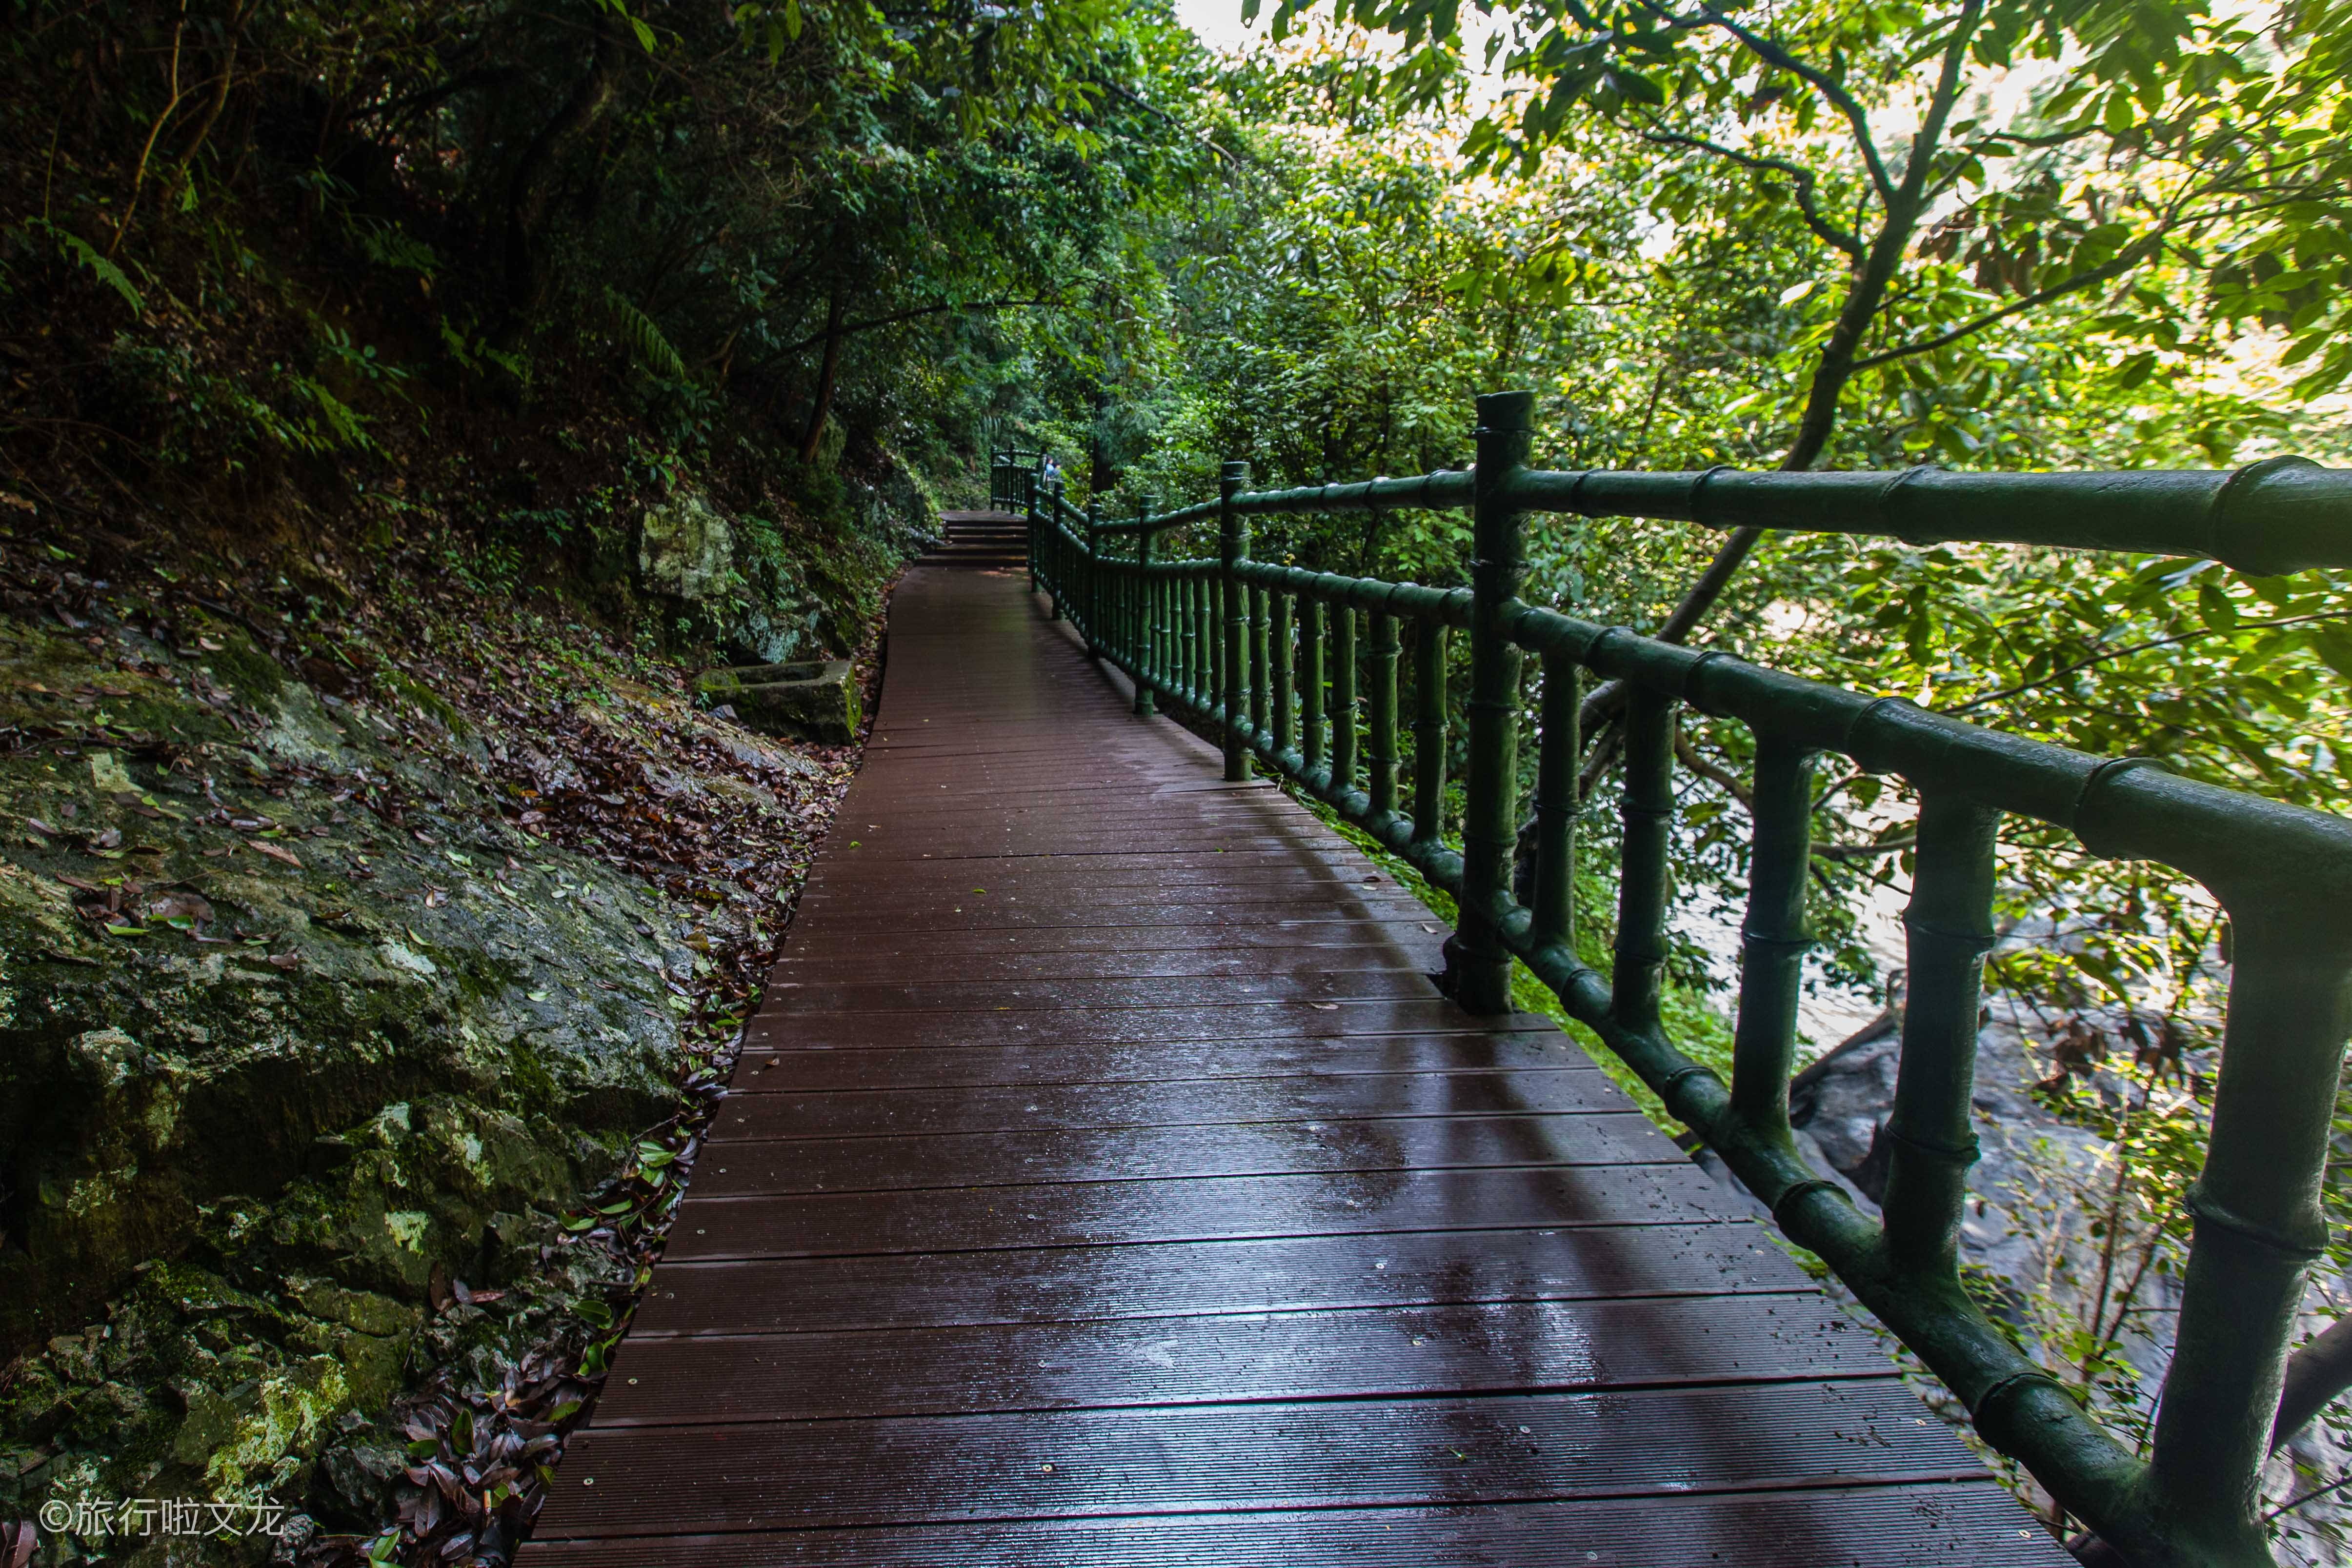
(646, 345)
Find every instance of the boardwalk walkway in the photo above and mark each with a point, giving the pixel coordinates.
(1106, 1185)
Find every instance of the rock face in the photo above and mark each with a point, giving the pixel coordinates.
(816, 697)
(767, 597)
(316, 1036)
(298, 1025)
(687, 549)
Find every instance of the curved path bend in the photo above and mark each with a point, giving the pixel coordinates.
(1106, 1186)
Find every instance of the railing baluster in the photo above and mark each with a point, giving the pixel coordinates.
(1649, 816)
(1559, 753)
(2258, 1224)
(1146, 641)
(1096, 585)
(1188, 633)
(1310, 681)
(1343, 697)
(1212, 644)
(1201, 646)
(1036, 534)
(1260, 707)
(1165, 640)
(1232, 549)
(1381, 717)
(1188, 683)
(1130, 609)
(1479, 965)
(1172, 631)
(1051, 513)
(1429, 732)
(1948, 928)
(1282, 652)
(1773, 937)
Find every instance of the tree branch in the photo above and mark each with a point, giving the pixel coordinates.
(1773, 54)
(2123, 261)
(1802, 178)
(1699, 763)
(2315, 1375)
(2081, 664)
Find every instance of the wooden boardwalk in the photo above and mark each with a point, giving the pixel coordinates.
(1106, 1185)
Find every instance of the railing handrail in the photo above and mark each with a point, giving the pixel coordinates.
(2283, 514)
(1214, 636)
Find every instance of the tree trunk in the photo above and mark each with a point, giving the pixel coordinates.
(827, 373)
(534, 175)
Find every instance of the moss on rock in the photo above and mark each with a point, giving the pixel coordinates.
(294, 1028)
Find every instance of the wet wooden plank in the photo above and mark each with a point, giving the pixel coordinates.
(802, 998)
(1119, 1025)
(1173, 1062)
(1081, 1284)
(788, 1111)
(1500, 1347)
(1195, 1208)
(1965, 1525)
(1048, 1464)
(865, 1163)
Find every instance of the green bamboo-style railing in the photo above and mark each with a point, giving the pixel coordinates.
(1013, 477)
(1268, 657)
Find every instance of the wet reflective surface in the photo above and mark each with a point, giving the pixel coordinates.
(1104, 1183)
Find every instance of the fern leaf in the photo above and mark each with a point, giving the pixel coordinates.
(646, 345)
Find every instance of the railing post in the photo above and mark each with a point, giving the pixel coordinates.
(1232, 549)
(1478, 964)
(1094, 581)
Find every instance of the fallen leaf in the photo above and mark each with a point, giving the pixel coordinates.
(275, 852)
(178, 905)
